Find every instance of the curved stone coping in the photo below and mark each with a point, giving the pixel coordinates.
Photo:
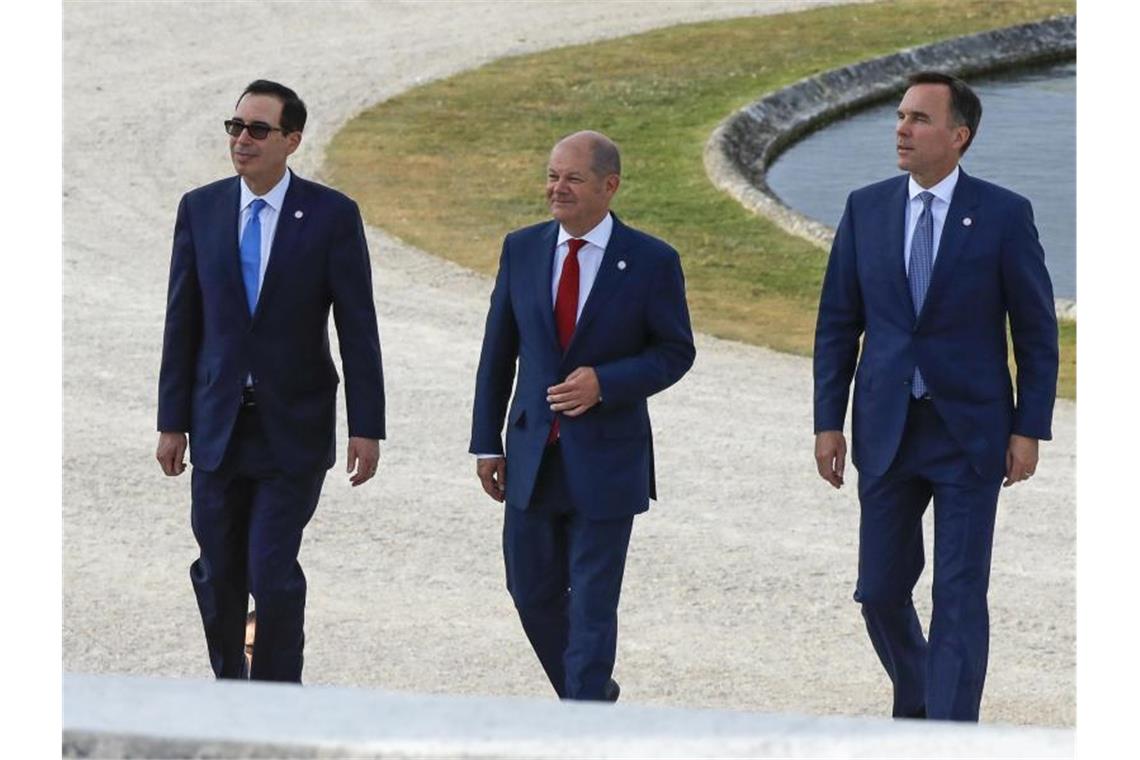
(127, 716)
(743, 146)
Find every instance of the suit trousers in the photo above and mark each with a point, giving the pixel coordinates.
(564, 574)
(940, 678)
(248, 516)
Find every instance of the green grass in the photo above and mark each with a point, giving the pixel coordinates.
(453, 165)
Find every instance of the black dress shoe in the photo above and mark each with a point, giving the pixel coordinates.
(612, 692)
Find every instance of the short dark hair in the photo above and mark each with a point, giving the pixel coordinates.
(293, 112)
(965, 106)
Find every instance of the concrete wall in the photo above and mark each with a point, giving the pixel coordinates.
(743, 146)
(121, 716)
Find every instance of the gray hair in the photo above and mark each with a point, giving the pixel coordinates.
(605, 156)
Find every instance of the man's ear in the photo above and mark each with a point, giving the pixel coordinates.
(612, 183)
(961, 136)
(294, 140)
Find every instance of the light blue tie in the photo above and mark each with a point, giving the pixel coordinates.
(251, 252)
(921, 266)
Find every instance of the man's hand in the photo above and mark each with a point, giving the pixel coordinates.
(171, 453)
(492, 472)
(830, 456)
(576, 394)
(1020, 459)
(363, 456)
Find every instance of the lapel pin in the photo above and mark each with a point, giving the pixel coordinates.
(298, 214)
(621, 264)
(967, 222)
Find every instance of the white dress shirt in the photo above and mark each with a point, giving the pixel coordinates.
(274, 200)
(939, 207)
(589, 259)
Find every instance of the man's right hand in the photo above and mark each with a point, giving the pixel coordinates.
(830, 456)
(171, 453)
(492, 472)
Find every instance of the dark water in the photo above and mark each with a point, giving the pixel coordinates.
(1026, 142)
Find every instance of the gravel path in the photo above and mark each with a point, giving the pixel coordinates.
(738, 589)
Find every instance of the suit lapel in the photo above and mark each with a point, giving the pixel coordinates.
(290, 221)
(607, 282)
(223, 240)
(544, 275)
(894, 224)
(955, 233)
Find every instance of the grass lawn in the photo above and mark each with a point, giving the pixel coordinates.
(455, 164)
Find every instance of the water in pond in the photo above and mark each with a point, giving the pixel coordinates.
(1026, 142)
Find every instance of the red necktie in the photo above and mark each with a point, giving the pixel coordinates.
(566, 308)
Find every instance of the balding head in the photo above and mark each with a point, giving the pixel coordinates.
(605, 157)
(582, 176)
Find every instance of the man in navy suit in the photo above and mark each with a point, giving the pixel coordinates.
(257, 262)
(927, 268)
(593, 312)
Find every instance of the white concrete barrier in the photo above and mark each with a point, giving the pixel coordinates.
(121, 716)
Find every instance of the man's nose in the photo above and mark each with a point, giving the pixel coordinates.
(242, 136)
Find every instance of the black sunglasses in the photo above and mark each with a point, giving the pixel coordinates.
(257, 130)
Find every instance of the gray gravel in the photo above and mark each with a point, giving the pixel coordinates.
(738, 589)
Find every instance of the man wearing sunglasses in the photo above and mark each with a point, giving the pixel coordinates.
(258, 262)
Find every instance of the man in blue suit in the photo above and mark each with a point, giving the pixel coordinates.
(257, 262)
(593, 313)
(927, 268)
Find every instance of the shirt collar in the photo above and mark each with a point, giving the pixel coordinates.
(599, 236)
(944, 190)
(275, 198)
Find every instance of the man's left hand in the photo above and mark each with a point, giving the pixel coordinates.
(364, 457)
(576, 394)
(1020, 459)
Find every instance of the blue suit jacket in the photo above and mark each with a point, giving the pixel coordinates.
(987, 269)
(633, 330)
(319, 259)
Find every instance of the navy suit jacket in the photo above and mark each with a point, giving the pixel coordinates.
(633, 330)
(319, 259)
(989, 267)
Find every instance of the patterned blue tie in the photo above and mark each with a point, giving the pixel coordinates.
(251, 252)
(921, 266)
